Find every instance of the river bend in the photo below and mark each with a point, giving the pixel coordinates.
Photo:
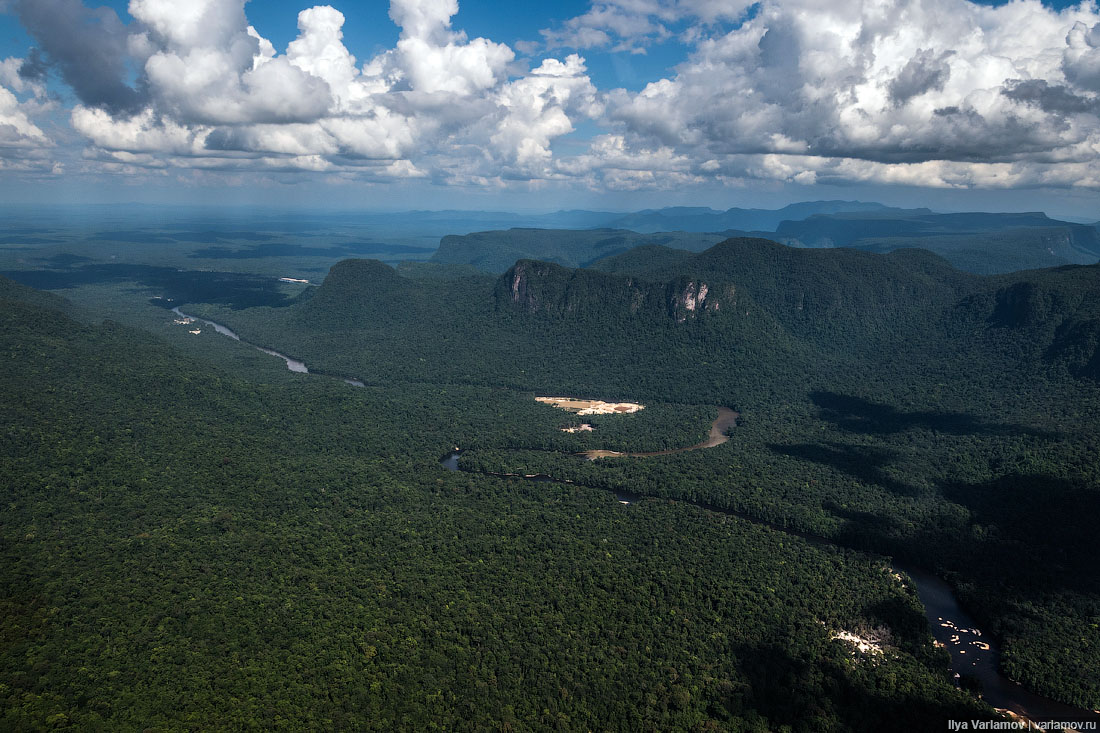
(972, 653)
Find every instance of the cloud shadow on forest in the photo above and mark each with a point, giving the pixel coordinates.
(297, 250)
(865, 463)
(180, 286)
(857, 415)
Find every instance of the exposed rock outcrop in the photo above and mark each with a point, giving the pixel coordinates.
(546, 288)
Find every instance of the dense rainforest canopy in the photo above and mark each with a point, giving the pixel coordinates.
(194, 536)
(888, 400)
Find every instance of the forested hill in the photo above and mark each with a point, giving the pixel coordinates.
(1056, 311)
(795, 311)
(812, 290)
(833, 303)
(1045, 318)
(357, 290)
(17, 296)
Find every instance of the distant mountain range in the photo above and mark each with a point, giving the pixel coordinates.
(648, 221)
(982, 243)
(497, 251)
(697, 219)
(977, 242)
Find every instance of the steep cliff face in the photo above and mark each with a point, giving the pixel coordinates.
(693, 298)
(1054, 312)
(1068, 244)
(543, 287)
(1077, 344)
(1023, 304)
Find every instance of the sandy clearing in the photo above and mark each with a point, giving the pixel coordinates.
(590, 407)
(864, 644)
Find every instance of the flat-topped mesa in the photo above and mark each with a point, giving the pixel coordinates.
(546, 288)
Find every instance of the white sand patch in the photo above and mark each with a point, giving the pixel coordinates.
(582, 428)
(868, 642)
(591, 407)
(898, 577)
(862, 643)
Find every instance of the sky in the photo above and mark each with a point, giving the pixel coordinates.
(611, 104)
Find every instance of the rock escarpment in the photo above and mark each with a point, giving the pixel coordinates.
(545, 288)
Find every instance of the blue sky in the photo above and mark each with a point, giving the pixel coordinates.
(613, 104)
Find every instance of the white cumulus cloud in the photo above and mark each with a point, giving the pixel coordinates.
(24, 146)
(943, 93)
(890, 86)
(1081, 61)
(632, 25)
(207, 65)
(438, 104)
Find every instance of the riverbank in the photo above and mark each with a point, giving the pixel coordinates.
(973, 653)
(295, 365)
(1001, 692)
(719, 434)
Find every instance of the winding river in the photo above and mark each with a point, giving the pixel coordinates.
(719, 434)
(972, 653)
(294, 365)
(975, 654)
